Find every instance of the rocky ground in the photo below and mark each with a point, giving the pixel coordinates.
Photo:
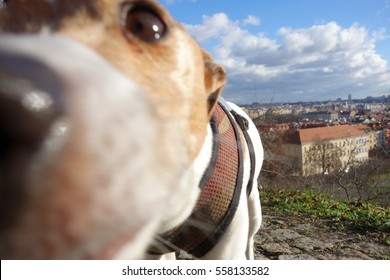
(297, 236)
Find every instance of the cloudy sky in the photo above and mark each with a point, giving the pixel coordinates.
(301, 50)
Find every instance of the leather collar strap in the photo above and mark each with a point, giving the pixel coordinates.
(244, 124)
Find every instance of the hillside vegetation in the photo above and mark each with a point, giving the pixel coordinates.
(364, 217)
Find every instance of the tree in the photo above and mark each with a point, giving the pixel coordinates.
(272, 143)
(368, 181)
(325, 157)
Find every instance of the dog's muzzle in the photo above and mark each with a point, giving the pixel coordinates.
(74, 150)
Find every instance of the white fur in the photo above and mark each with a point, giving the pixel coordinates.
(180, 208)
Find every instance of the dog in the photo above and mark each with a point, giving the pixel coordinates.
(105, 132)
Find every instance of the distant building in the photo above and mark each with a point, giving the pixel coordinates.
(349, 102)
(325, 149)
(321, 115)
(329, 116)
(374, 106)
(273, 127)
(375, 138)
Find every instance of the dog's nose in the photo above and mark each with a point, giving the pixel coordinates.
(27, 112)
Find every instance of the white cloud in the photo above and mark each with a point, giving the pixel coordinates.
(212, 27)
(319, 62)
(252, 20)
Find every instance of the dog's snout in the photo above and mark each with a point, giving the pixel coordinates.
(78, 141)
(27, 113)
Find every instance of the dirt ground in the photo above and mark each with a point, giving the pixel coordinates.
(286, 235)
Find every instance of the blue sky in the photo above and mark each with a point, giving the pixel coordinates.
(301, 50)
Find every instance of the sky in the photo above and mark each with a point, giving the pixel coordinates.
(293, 50)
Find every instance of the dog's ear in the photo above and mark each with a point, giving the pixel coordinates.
(215, 79)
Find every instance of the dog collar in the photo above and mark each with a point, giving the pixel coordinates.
(221, 186)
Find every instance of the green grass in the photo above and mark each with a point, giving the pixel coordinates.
(360, 216)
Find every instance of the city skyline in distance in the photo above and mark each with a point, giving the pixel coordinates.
(384, 99)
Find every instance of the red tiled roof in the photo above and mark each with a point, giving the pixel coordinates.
(362, 127)
(323, 134)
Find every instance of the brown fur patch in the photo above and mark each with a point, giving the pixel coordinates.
(32, 16)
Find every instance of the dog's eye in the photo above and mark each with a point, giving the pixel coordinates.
(143, 23)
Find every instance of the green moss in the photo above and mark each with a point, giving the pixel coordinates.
(353, 215)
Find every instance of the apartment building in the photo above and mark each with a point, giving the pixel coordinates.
(375, 137)
(325, 149)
